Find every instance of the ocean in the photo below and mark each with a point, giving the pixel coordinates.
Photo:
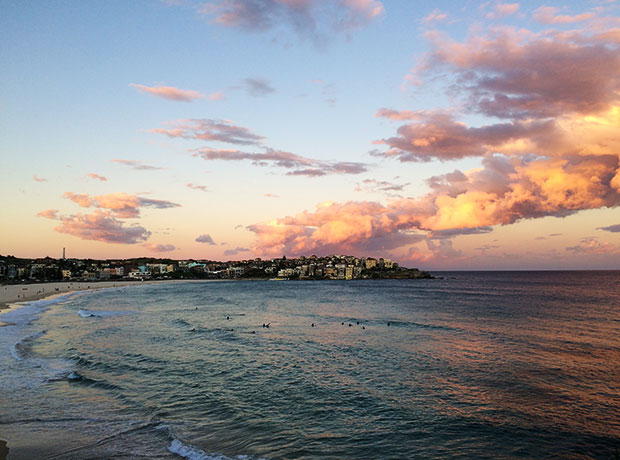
(475, 365)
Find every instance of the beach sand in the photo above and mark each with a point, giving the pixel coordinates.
(11, 293)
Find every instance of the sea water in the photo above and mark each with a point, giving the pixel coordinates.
(473, 365)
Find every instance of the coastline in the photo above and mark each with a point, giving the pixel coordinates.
(15, 295)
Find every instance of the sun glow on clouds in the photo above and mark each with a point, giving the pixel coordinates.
(552, 152)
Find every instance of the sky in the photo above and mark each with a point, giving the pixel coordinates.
(442, 135)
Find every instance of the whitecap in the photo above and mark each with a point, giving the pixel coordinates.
(193, 453)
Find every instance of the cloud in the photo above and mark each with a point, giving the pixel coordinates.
(549, 148)
(501, 10)
(258, 87)
(159, 247)
(610, 228)
(136, 165)
(435, 16)
(202, 188)
(373, 185)
(511, 73)
(101, 226)
(38, 179)
(439, 136)
(169, 92)
(122, 205)
(271, 195)
(206, 238)
(548, 15)
(217, 96)
(308, 18)
(505, 190)
(593, 247)
(210, 130)
(452, 232)
(49, 214)
(299, 166)
(237, 250)
(225, 131)
(401, 114)
(97, 177)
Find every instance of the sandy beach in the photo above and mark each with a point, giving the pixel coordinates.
(14, 294)
(11, 293)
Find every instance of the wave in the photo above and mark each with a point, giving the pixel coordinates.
(27, 311)
(84, 313)
(193, 453)
(21, 350)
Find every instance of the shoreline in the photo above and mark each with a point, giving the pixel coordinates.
(16, 295)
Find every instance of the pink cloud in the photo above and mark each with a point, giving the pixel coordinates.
(548, 15)
(400, 114)
(101, 226)
(435, 16)
(97, 177)
(38, 179)
(501, 10)
(202, 188)
(49, 214)
(271, 195)
(440, 136)
(515, 73)
(159, 247)
(169, 92)
(122, 205)
(593, 247)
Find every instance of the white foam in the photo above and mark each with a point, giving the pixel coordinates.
(19, 350)
(101, 314)
(193, 453)
(27, 311)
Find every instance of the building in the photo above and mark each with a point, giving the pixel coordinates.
(371, 263)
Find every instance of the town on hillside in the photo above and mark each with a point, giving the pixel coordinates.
(334, 267)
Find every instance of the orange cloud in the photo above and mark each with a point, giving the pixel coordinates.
(169, 92)
(504, 191)
(49, 214)
(38, 179)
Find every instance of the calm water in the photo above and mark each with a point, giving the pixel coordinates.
(477, 365)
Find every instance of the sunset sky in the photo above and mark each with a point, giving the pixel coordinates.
(458, 135)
